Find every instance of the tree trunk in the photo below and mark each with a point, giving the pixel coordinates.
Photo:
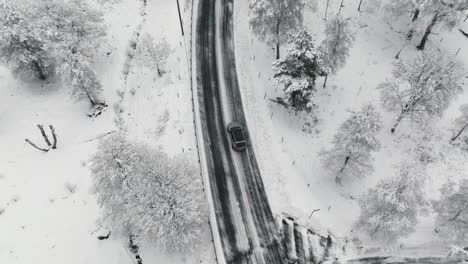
(325, 82)
(459, 132)
(422, 44)
(326, 9)
(359, 7)
(341, 6)
(278, 23)
(397, 122)
(397, 56)
(39, 70)
(338, 177)
(415, 15)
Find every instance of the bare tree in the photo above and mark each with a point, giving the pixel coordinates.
(46, 139)
(422, 86)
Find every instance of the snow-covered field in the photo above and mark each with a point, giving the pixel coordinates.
(288, 144)
(47, 214)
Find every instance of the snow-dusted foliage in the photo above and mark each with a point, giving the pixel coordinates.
(334, 49)
(53, 36)
(353, 144)
(390, 210)
(422, 87)
(153, 54)
(409, 8)
(452, 213)
(298, 70)
(22, 46)
(273, 20)
(461, 122)
(145, 193)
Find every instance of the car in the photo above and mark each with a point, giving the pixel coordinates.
(237, 135)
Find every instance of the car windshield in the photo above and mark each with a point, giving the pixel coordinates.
(237, 134)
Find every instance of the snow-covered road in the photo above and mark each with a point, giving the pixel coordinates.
(244, 221)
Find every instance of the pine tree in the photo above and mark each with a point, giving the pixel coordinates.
(273, 20)
(462, 122)
(22, 47)
(390, 210)
(153, 54)
(353, 144)
(421, 87)
(334, 49)
(298, 71)
(452, 213)
(147, 195)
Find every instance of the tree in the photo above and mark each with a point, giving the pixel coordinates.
(76, 32)
(353, 144)
(447, 12)
(22, 47)
(298, 71)
(390, 210)
(153, 55)
(452, 213)
(147, 195)
(334, 49)
(53, 36)
(422, 86)
(400, 8)
(462, 121)
(273, 20)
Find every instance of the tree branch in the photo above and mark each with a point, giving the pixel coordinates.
(35, 146)
(54, 136)
(44, 135)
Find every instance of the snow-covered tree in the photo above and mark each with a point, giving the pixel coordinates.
(334, 49)
(452, 213)
(407, 8)
(390, 210)
(146, 194)
(422, 86)
(22, 46)
(353, 144)
(461, 122)
(449, 13)
(76, 30)
(298, 70)
(53, 36)
(273, 20)
(153, 54)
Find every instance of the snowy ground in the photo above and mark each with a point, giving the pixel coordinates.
(47, 214)
(287, 147)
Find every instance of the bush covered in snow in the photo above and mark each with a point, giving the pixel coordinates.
(153, 54)
(148, 195)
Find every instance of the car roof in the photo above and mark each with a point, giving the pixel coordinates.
(235, 124)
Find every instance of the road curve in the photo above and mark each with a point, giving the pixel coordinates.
(244, 221)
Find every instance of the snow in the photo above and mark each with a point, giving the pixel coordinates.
(47, 214)
(288, 148)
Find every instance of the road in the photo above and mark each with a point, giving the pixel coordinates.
(245, 223)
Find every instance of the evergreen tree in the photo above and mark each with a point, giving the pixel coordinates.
(390, 210)
(452, 213)
(334, 49)
(353, 144)
(298, 71)
(147, 195)
(273, 20)
(423, 86)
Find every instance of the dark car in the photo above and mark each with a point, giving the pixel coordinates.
(236, 132)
